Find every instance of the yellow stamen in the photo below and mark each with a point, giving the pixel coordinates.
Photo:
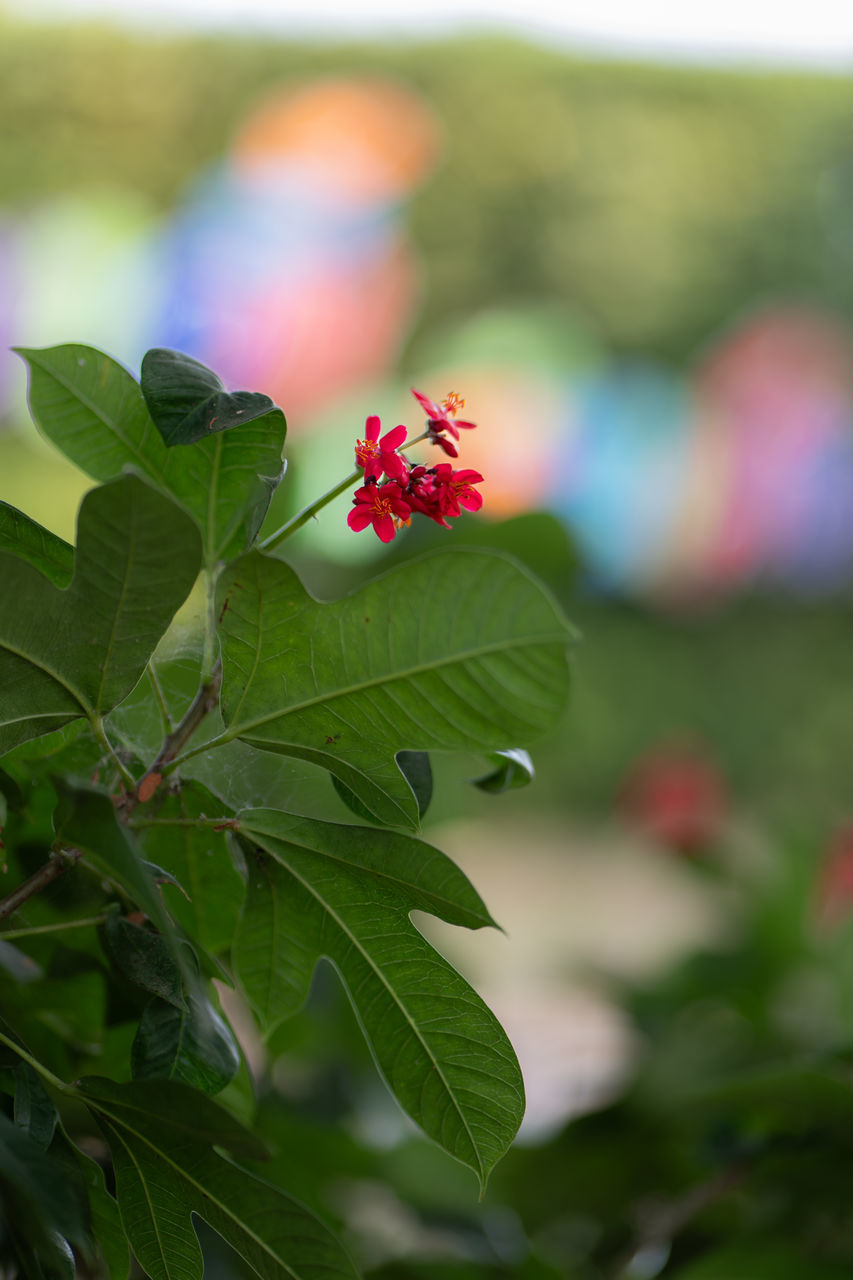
(452, 404)
(365, 450)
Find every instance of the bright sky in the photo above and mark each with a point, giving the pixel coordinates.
(788, 31)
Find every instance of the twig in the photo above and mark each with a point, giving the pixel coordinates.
(59, 861)
(8, 934)
(202, 704)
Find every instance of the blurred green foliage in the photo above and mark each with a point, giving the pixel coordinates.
(658, 201)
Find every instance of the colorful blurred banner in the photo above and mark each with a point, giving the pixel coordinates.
(284, 268)
(674, 487)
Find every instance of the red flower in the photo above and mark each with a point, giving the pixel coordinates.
(423, 495)
(456, 489)
(378, 456)
(442, 417)
(382, 505)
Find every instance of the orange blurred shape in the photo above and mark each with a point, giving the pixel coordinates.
(835, 885)
(364, 140)
(677, 797)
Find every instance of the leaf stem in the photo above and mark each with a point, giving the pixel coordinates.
(307, 513)
(100, 733)
(219, 741)
(7, 935)
(202, 704)
(60, 860)
(165, 714)
(36, 1065)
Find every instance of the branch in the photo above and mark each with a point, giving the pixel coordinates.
(202, 704)
(59, 861)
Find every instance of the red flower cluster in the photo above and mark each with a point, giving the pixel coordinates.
(439, 492)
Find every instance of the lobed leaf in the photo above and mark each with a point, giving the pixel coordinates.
(167, 1171)
(457, 652)
(79, 651)
(318, 889)
(92, 409)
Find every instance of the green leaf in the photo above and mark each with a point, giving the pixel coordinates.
(415, 768)
(317, 889)
(52, 556)
(456, 652)
(144, 957)
(79, 651)
(92, 409)
(45, 1207)
(167, 1171)
(86, 819)
(34, 1109)
(194, 1045)
(187, 401)
(106, 1224)
(176, 1107)
(200, 859)
(514, 769)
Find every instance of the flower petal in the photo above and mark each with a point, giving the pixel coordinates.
(395, 467)
(372, 427)
(393, 438)
(385, 528)
(430, 408)
(359, 518)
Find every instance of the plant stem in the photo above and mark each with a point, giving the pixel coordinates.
(307, 513)
(202, 704)
(36, 1065)
(208, 662)
(7, 935)
(58, 862)
(103, 741)
(165, 714)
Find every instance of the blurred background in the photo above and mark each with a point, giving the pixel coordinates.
(627, 242)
